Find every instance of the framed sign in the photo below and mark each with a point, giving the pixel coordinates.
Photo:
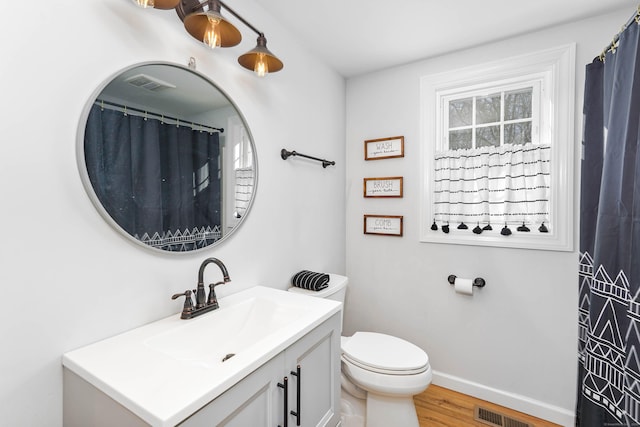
(386, 225)
(383, 187)
(384, 148)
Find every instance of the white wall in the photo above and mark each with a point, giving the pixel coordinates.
(67, 278)
(515, 341)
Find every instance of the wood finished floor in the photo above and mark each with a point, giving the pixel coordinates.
(440, 407)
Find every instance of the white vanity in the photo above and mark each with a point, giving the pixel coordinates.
(266, 357)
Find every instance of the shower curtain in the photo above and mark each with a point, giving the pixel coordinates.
(609, 311)
(159, 182)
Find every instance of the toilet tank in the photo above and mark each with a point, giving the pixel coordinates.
(335, 291)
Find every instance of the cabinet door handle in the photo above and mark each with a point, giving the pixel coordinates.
(285, 385)
(297, 374)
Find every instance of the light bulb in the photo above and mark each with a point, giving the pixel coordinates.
(144, 3)
(212, 33)
(261, 68)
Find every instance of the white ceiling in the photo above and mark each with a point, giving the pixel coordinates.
(359, 36)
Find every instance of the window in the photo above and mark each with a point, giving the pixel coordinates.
(479, 119)
(242, 151)
(241, 178)
(497, 165)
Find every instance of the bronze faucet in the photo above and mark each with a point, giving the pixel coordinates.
(203, 304)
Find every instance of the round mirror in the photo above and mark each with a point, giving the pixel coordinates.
(166, 158)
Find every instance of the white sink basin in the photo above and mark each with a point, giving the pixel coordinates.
(167, 370)
(230, 330)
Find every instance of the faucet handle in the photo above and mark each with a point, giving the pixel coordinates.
(212, 300)
(188, 304)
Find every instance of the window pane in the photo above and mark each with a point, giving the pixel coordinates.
(460, 139)
(488, 109)
(517, 133)
(517, 104)
(460, 112)
(487, 136)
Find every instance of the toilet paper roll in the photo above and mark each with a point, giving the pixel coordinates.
(464, 286)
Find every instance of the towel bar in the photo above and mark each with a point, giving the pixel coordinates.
(286, 154)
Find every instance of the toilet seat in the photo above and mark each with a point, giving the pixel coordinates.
(393, 385)
(384, 354)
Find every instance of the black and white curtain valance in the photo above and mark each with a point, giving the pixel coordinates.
(245, 181)
(499, 185)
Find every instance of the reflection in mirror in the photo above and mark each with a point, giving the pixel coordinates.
(167, 158)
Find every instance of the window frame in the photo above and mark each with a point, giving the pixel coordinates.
(555, 69)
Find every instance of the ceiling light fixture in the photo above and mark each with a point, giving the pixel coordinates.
(204, 21)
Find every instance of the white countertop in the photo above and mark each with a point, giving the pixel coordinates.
(163, 383)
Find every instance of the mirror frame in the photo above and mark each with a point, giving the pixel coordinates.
(86, 182)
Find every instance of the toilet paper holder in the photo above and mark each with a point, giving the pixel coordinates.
(478, 281)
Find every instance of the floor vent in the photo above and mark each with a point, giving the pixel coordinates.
(496, 419)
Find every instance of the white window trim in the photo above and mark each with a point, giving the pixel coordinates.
(557, 66)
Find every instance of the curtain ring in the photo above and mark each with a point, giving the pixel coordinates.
(614, 45)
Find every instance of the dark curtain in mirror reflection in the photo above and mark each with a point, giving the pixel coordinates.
(160, 182)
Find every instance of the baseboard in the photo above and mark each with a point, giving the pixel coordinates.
(513, 401)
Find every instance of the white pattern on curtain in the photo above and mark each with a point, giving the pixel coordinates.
(507, 184)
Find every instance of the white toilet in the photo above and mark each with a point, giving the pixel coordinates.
(380, 373)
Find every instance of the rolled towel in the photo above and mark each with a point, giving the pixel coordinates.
(310, 280)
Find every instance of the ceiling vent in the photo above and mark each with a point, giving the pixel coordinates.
(149, 83)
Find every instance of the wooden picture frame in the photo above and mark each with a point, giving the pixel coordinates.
(384, 148)
(391, 187)
(384, 225)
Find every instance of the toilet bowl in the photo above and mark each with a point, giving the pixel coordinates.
(380, 373)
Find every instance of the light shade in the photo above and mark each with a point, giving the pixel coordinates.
(200, 25)
(165, 4)
(157, 4)
(260, 59)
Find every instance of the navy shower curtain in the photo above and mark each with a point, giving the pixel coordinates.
(609, 324)
(159, 182)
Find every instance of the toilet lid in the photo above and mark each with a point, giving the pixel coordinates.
(382, 353)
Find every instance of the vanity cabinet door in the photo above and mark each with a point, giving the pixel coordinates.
(317, 388)
(313, 390)
(255, 401)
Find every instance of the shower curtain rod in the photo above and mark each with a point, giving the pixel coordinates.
(164, 119)
(611, 47)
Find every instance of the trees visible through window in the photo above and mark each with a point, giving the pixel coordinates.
(496, 119)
